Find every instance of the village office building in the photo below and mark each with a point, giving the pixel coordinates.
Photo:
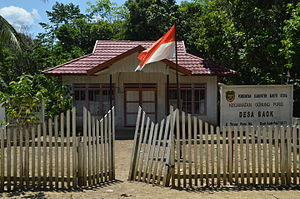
(89, 77)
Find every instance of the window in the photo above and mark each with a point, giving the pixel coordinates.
(192, 98)
(95, 97)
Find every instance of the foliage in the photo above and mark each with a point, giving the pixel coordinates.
(149, 19)
(258, 39)
(22, 97)
(8, 34)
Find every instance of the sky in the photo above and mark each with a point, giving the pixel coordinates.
(29, 13)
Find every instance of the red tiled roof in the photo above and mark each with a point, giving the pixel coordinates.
(107, 52)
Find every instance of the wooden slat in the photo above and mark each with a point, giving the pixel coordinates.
(138, 144)
(247, 154)
(206, 153)
(189, 157)
(50, 125)
(171, 171)
(230, 157)
(282, 155)
(89, 146)
(84, 146)
(163, 152)
(2, 160)
(167, 168)
(253, 158)
(178, 146)
(294, 154)
(157, 149)
(45, 154)
(276, 137)
(109, 145)
(97, 151)
(68, 159)
(183, 148)
(62, 148)
(236, 155)
(102, 150)
(201, 151)
(8, 160)
(113, 141)
(224, 145)
(195, 134)
(21, 158)
(288, 155)
(212, 150)
(95, 174)
(218, 158)
(39, 154)
(33, 156)
(27, 156)
(265, 156)
(242, 160)
(298, 159)
(56, 154)
(135, 147)
(105, 149)
(15, 157)
(149, 144)
(270, 148)
(259, 165)
(74, 148)
(151, 157)
(143, 150)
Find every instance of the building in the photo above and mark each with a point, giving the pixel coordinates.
(153, 88)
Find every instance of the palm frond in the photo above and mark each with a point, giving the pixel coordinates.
(8, 34)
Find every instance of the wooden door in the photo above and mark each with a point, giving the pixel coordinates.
(143, 95)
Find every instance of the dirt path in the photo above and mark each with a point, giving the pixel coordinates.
(124, 189)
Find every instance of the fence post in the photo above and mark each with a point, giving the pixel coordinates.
(171, 164)
(81, 163)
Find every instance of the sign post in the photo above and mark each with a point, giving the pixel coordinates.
(256, 105)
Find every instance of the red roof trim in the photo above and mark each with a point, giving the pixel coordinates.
(106, 64)
(139, 48)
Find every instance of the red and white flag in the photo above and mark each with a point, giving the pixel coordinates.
(163, 48)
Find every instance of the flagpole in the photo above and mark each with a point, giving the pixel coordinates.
(177, 81)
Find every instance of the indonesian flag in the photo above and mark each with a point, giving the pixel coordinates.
(163, 48)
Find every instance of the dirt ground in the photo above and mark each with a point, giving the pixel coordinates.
(121, 188)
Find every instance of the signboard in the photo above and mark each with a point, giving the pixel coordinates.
(256, 105)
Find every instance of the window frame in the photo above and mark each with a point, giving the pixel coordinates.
(192, 87)
(88, 87)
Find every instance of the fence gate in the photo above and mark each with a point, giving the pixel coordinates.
(56, 155)
(151, 155)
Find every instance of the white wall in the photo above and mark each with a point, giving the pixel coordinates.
(123, 72)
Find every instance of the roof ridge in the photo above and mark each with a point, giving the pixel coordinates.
(68, 62)
(95, 46)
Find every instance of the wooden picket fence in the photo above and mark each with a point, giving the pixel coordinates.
(56, 155)
(199, 154)
(151, 150)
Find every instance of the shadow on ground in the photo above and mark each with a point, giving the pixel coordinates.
(239, 188)
(38, 193)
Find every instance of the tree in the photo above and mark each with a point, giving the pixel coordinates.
(22, 97)
(8, 35)
(148, 19)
